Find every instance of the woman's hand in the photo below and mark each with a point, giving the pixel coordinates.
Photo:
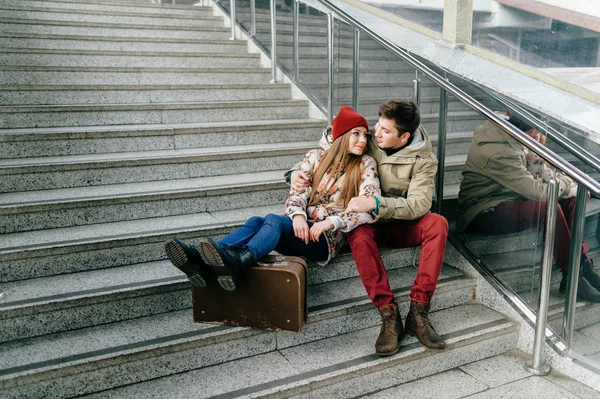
(301, 228)
(320, 227)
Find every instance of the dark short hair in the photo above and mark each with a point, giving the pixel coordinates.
(520, 123)
(404, 112)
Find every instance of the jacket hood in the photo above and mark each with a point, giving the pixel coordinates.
(326, 139)
(420, 145)
(488, 133)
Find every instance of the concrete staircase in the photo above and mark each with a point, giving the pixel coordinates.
(127, 123)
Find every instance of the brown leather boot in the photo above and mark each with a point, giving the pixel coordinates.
(391, 333)
(418, 324)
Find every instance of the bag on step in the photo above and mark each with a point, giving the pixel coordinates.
(272, 296)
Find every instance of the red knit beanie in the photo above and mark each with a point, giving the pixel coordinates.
(346, 120)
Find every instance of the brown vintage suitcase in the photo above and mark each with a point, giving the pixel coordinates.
(272, 296)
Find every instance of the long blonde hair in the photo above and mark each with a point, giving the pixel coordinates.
(338, 160)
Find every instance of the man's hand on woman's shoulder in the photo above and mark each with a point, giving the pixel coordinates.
(299, 181)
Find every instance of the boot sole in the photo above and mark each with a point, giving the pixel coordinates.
(211, 257)
(180, 260)
(390, 353)
(414, 334)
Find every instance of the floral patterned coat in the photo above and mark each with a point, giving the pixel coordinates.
(343, 222)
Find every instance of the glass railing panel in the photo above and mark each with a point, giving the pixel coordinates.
(585, 336)
(242, 13)
(343, 64)
(312, 48)
(500, 209)
(429, 14)
(285, 34)
(553, 131)
(559, 38)
(382, 76)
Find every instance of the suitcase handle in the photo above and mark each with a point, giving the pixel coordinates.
(280, 260)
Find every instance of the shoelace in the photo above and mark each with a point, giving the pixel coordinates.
(422, 315)
(387, 323)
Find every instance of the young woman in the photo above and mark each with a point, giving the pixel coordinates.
(315, 221)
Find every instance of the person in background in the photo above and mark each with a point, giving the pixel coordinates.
(503, 190)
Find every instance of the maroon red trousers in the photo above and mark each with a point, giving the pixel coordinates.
(514, 216)
(431, 232)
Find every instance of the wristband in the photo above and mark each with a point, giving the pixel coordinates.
(377, 203)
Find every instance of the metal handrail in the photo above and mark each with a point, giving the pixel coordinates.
(541, 150)
(580, 153)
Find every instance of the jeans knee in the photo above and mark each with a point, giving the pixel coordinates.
(275, 221)
(255, 222)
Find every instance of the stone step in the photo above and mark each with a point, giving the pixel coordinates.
(319, 33)
(526, 240)
(128, 114)
(136, 167)
(30, 75)
(135, 345)
(49, 142)
(50, 27)
(28, 174)
(112, 43)
(73, 249)
(366, 104)
(140, 94)
(455, 121)
(316, 78)
(129, 189)
(299, 369)
(48, 305)
(116, 17)
(120, 7)
(313, 46)
(125, 59)
(344, 61)
(49, 209)
(372, 93)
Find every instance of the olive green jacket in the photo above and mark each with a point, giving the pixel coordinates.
(495, 172)
(407, 177)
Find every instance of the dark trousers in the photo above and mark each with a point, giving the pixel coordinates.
(514, 216)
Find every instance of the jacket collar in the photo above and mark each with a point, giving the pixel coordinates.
(420, 146)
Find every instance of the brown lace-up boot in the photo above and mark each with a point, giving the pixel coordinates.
(388, 341)
(418, 324)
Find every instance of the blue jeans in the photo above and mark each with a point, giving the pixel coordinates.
(262, 235)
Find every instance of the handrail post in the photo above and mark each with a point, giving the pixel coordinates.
(296, 27)
(574, 264)
(232, 15)
(417, 89)
(273, 44)
(356, 69)
(330, 67)
(441, 150)
(253, 18)
(538, 366)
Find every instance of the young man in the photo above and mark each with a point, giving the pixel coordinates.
(406, 168)
(499, 195)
